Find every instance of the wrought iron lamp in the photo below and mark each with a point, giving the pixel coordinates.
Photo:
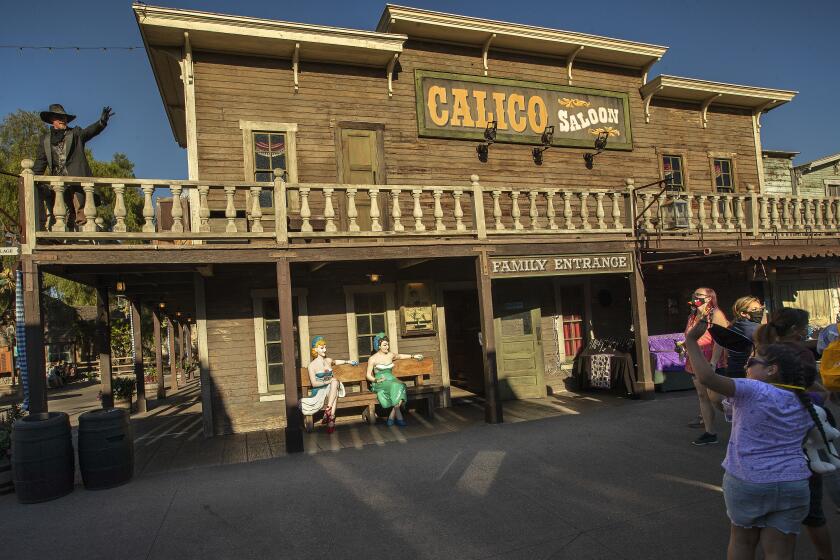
(547, 136)
(483, 149)
(600, 146)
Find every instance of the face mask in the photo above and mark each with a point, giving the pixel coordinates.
(696, 302)
(756, 316)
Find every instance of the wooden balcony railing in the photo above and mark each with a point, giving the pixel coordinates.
(227, 211)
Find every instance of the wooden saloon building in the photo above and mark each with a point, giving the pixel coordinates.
(486, 193)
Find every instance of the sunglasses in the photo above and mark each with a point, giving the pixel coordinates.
(753, 361)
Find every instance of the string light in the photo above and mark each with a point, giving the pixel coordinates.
(51, 48)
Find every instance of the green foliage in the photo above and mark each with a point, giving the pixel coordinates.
(123, 387)
(120, 337)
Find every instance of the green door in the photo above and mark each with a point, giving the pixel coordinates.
(519, 349)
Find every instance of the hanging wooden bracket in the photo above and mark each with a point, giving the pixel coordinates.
(390, 71)
(646, 70)
(296, 65)
(485, 49)
(570, 61)
(704, 108)
(760, 110)
(647, 100)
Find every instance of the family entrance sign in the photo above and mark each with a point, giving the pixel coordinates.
(461, 106)
(560, 265)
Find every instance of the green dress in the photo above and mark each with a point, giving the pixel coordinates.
(390, 391)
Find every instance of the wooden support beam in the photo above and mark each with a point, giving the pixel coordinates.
(34, 327)
(492, 402)
(644, 373)
(161, 382)
(173, 359)
(294, 433)
(103, 343)
(203, 356)
(137, 347)
(181, 348)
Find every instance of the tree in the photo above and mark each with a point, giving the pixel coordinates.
(19, 135)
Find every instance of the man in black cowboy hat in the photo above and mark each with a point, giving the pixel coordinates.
(62, 150)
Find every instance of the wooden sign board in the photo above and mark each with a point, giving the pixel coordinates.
(560, 265)
(9, 251)
(460, 106)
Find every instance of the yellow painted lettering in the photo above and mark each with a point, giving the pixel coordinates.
(437, 95)
(537, 114)
(461, 109)
(480, 97)
(499, 100)
(517, 121)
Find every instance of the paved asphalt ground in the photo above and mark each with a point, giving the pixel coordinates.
(615, 482)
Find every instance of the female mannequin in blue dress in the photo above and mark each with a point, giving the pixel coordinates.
(326, 389)
(389, 390)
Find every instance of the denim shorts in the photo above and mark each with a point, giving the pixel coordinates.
(780, 505)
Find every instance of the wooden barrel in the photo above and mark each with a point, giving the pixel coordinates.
(106, 448)
(43, 464)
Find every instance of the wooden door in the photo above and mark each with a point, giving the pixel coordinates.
(463, 340)
(519, 359)
(361, 165)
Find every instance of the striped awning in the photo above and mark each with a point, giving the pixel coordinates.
(784, 252)
(20, 339)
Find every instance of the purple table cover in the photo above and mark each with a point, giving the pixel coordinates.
(663, 350)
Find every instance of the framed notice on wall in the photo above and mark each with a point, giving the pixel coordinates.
(417, 311)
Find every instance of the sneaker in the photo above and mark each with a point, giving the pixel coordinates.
(696, 423)
(705, 439)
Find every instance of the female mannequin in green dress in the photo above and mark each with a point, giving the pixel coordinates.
(389, 390)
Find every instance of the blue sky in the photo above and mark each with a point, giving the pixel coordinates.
(770, 43)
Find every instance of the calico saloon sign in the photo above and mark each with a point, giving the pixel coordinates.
(460, 106)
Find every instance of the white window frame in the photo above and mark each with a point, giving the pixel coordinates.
(830, 183)
(290, 130)
(258, 296)
(390, 315)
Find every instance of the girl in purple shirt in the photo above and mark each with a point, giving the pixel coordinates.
(765, 485)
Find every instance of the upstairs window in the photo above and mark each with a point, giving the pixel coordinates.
(723, 175)
(269, 154)
(674, 165)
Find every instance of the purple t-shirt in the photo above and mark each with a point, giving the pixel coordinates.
(769, 425)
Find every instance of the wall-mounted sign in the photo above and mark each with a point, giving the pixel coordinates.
(560, 265)
(460, 106)
(417, 311)
(9, 251)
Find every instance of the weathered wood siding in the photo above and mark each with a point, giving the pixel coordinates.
(813, 181)
(231, 88)
(778, 174)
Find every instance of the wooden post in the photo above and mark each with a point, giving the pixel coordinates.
(173, 360)
(137, 347)
(281, 223)
(203, 355)
(644, 373)
(478, 208)
(492, 403)
(181, 351)
(34, 328)
(103, 343)
(294, 434)
(28, 207)
(161, 385)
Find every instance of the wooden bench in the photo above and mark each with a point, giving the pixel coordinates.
(416, 374)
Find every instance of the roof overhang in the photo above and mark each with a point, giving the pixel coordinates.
(819, 162)
(751, 98)
(513, 37)
(779, 154)
(163, 29)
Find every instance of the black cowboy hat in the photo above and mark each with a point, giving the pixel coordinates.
(56, 110)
